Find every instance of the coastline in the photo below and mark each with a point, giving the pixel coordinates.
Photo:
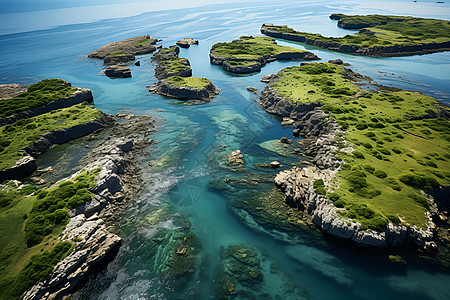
(321, 143)
(377, 51)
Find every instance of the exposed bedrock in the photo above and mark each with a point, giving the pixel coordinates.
(165, 88)
(95, 244)
(320, 134)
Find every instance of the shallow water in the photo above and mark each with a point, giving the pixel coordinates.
(191, 139)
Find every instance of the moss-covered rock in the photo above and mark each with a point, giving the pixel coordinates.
(186, 88)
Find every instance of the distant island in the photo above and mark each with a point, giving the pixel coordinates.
(378, 35)
(249, 54)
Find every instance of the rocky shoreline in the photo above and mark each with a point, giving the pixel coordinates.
(320, 133)
(95, 243)
(27, 164)
(165, 88)
(397, 50)
(262, 61)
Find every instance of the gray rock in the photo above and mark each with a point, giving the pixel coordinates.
(118, 71)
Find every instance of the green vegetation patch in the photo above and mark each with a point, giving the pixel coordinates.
(250, 48)
(189, 82)
(314, 83)
(175, 65)
(31, 217)
(382, 31)
(142, 42)
(38, 268)
(38, 94)
(17, 136)
(397, 153)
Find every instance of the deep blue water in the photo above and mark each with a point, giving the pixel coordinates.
(191, 135)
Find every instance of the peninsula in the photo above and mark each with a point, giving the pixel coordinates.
(378, 35)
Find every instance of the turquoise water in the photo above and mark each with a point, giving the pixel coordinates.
(196, 138)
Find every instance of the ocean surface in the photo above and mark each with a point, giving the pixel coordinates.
(41, 43)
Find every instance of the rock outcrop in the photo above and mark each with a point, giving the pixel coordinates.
(117, 71)
(62, 136)
(397, 50)
(79, 96)
(187, 42)
(165, 88)
(241, 67)
(134, 46)
(27, 165)
(23, 168)
(166, 53)
(179, 67)
(95, 245)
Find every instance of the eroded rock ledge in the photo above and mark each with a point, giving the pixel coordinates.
(165, 88)
(79, 96)
(320, 133)
(27, 164)
(95, 243)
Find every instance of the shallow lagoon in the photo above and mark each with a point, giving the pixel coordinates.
(191, 136)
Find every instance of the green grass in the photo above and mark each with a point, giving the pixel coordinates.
(384, 131)
(118, 53)
(17, 136)
(22, 266)
(314, 83)
(397, 31)
(250, 48)
(141, 42)
(38, 94)
(175, 65)
(189, 82)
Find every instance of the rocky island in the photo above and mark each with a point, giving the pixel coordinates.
(248, 54)
(175, 78)
(119, 53)
(354, 137)
(378, 35)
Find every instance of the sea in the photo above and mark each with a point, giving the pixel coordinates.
(183, 175)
